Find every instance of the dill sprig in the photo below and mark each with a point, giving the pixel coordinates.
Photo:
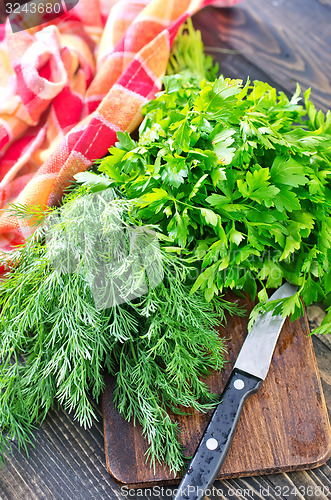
(93, 290)
(188, 56)
(33, 213)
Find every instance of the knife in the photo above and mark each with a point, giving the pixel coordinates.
(248, 373)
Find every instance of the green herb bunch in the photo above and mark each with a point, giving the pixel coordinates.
(93, 290)
(228, 186)
(238, 176)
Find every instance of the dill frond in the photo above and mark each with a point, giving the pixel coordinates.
(93, 290)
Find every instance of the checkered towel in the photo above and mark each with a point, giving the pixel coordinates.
(66, 88)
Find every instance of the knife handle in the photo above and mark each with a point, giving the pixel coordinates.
(215, 443)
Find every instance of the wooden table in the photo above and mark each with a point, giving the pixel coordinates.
(279, 41)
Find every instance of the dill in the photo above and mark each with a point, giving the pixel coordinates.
(82, 297)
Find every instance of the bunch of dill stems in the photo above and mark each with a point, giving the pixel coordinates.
(93, 290)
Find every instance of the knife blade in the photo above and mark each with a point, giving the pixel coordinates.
(249, 371)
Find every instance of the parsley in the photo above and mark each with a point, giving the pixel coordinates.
(238, 176)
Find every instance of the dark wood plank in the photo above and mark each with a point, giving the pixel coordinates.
(323, 355)
(283, 427)
(65, 464)
(279, 41)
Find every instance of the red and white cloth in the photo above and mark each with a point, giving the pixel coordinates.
(66, 88)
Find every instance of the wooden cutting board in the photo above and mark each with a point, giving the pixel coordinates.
(284, 427)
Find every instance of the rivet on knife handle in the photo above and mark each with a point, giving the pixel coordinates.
(216, 441)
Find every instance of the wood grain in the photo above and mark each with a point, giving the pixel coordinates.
(283, 427)
(278, 41)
